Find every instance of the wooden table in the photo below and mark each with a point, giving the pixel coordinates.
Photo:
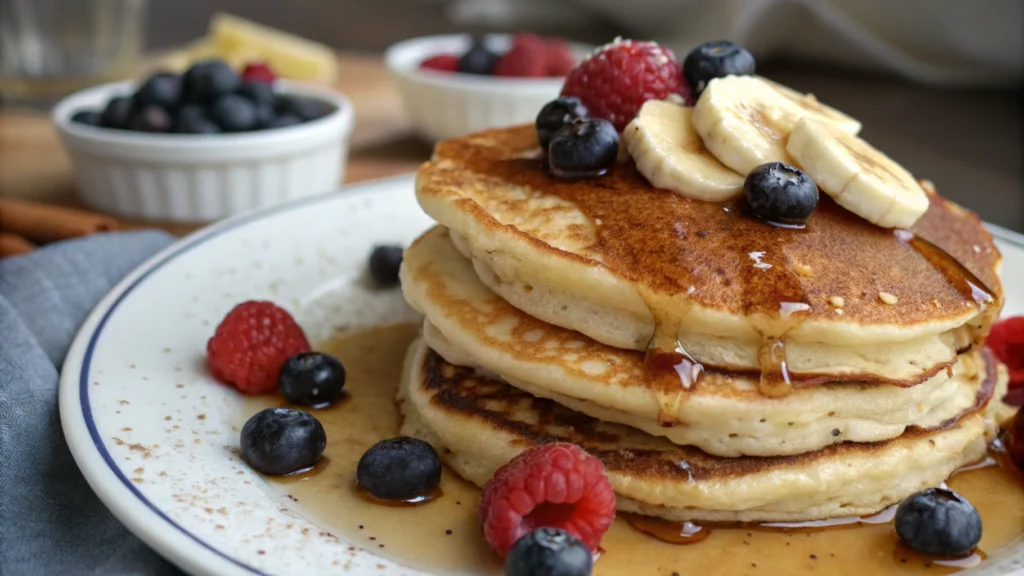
(33, 166)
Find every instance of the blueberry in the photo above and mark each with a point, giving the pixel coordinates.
(151, 118)
(555, 115)
(282, 441)
(303, 107)
(90, 117)
(584, 149)
(283, 121)
(549, 552)
(715, 60)
(939, 522)
(400, 468)
(233, 113)
(192, 119)
(118, 113)
(780, 193)
(207, 81)
(312, 378)
(478, 60)
(162, 89)
(259, 92)
(385, 262)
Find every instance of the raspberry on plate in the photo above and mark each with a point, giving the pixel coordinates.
(618, 78)
(554, 485)
(1006, 340)
(251, 345)
(442, 63)
(526, 59)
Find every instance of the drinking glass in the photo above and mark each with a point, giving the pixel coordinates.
(49, 48)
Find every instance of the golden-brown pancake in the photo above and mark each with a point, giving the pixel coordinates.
(614, 258)
(722, 412)
(480, 423)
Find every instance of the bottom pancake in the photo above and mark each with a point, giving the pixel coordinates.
(479, 423)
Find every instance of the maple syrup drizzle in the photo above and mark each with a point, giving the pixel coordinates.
(969, 285)
(671, 373)
(303, 474)
(904, 554)
(693, 532)
(417, 501)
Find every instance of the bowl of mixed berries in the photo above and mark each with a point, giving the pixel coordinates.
(453, 85)
(206, 144)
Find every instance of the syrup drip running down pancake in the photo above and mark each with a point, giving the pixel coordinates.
(722, 413)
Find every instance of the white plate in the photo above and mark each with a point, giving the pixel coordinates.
(139, 359)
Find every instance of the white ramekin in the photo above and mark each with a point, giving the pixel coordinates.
(197, 178)
(444, 105)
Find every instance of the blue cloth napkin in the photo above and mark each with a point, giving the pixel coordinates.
(51, 523)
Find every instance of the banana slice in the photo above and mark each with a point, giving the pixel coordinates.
(670, 154)
(856, 175)
(810, 102)
(745, 121)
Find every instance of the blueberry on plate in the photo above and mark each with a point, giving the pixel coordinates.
(303, 107)
(478, 60)
(780, 194)
(283, 121)
(312, 378)
(401, 468)
(715, 60)
(258, 91)
(939, 522)
(586, 148)
(208, 80)
(90, 117)
(192, 119)
(555, 115)
(385, 263)
(282, 441)
(150, 118)
(162, 89)
(233, 113)
(118, 113)
(549, 552)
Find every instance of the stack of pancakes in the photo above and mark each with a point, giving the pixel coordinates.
(722, 368)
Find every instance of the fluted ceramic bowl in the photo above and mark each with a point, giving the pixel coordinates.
(444, 105)
(200, 177)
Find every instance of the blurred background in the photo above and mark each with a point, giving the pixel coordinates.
(936, 83)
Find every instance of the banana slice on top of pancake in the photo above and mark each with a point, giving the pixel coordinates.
(745, 121)
(670, 154)
(856, 175)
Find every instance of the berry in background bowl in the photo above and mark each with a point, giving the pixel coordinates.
(456, 84)
(204, 145)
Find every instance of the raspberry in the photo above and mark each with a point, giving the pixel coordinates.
(526, 59)
(441, 62)
(1006, 340)
(258, 72)
(251, 345)
(551, 485)
(560, 59)
(618, 78)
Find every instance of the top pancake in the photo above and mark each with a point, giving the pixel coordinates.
(617, 243)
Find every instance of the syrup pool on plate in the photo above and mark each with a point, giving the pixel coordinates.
(443, 535)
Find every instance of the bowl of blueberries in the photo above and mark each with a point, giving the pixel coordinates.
(452, 85)
(203, 145)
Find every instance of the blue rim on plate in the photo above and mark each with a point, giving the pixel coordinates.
(198, 238)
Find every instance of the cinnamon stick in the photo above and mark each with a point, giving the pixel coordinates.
(45, 223)
(14, 245)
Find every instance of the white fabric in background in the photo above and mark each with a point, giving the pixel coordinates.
(943, 42)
